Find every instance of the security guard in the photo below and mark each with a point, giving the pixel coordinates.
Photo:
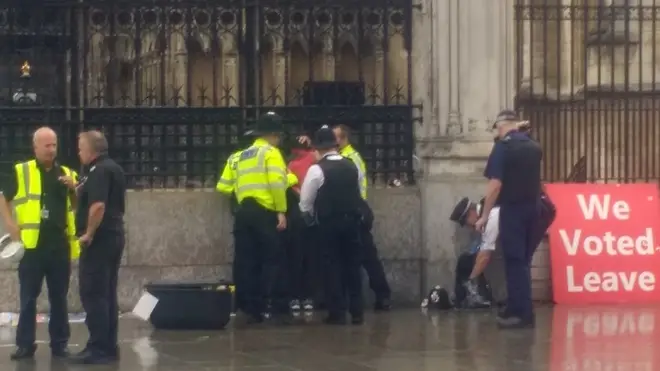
(514, 173)
(100, 225)
(330, 196)
(261, 183)
(372, 264)
(42, 193)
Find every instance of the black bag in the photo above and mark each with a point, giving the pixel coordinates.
(548, 211)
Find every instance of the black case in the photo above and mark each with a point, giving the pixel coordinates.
(191, 305)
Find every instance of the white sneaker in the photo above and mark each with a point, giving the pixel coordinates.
(295, 305)
(308, 305)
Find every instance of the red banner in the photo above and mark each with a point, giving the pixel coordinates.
(603, 243)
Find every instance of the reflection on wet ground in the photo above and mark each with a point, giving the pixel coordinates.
(567, 339)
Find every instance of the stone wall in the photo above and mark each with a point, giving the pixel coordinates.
(187, 235)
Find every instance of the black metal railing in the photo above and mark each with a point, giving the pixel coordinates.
(588, 81)
(173, 84)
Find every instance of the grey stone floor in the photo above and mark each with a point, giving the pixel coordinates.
(572, 339)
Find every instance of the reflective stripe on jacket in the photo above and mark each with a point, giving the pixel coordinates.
(350, 153)
(227, 181)
(261, 174)
(27, 204)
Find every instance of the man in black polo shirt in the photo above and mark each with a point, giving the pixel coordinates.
(100, 225)
(41, 192)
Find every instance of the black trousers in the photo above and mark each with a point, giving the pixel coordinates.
(300, 251)
(373, 266)
(342, 256)
(519, 235)
(99, 270)
(53, 263)
(257, 256)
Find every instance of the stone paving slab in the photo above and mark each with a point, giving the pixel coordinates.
(589, 339)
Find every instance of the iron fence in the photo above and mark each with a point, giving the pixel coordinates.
(173, 84)
(587, 78)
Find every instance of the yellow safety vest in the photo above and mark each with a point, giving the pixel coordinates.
(350, 153)
(261, 174)
(27, 204)
(291, 179)
(227, 181)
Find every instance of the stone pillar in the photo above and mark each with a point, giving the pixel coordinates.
(229, 89)
(279, 69)
(229, 92)
(328, 61)
(470, 79)
(379, 81)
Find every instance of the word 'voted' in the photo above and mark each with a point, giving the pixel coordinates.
(608, 243)
(603, 244)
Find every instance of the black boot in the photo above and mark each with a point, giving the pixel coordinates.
(382, 305)
(23, 353)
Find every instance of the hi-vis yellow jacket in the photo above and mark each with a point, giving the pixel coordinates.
(261, 174)
(227, 181)
(350, 153)
(27, 204)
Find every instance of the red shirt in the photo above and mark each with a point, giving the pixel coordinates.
(304, 159)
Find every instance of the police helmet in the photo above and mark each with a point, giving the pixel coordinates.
(324, 138)
(460, 212)
(268, 123)
(438, 298)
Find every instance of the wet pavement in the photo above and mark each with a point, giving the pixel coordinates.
(567, 339)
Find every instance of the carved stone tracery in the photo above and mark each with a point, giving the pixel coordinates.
(156, 55)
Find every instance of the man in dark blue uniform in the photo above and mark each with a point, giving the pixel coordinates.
(514, 184)
(330, 197)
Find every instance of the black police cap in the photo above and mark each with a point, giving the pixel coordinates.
(324, 138)
(459, 214)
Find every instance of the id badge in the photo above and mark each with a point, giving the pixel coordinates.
(45, 214)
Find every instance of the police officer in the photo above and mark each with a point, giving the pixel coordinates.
(261, 183)
(372, 264)
(227, 185)
(471, 288)
(514, 173)
(100, 225)
(42, 193)
(548, 208)
(227, 181)
(330, 196)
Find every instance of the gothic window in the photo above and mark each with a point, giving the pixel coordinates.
(614, 25)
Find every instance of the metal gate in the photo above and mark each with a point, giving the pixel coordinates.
(173, 83)
(588, 80)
